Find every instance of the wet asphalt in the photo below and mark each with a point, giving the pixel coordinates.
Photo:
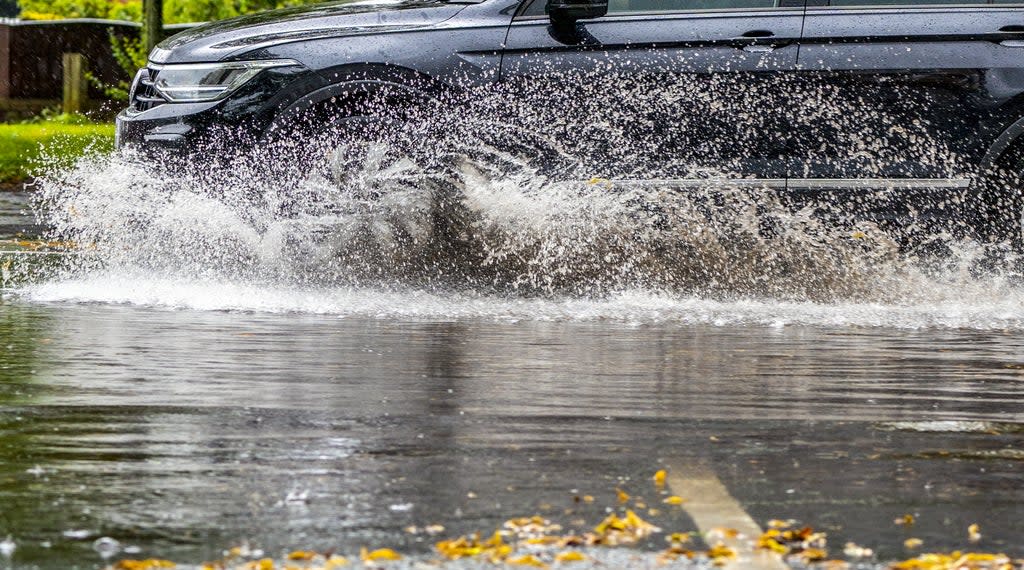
(182, 432)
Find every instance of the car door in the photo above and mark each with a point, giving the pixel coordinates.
(681, 89)
(904, 94)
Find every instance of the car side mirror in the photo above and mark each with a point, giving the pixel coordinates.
(567, 12)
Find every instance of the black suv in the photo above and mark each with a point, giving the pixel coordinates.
(914, 99)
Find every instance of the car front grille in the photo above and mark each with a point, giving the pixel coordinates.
(144, 95)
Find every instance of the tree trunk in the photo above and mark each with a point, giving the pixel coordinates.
(152, 23)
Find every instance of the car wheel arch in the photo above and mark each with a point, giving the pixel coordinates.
(1010, 138)
(404, 90)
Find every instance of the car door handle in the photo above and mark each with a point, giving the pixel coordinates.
(759, 41)
(756, 35)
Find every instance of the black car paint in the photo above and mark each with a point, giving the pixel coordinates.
(662, 48)
(947, 62)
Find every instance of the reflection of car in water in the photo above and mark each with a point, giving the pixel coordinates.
(828, 99)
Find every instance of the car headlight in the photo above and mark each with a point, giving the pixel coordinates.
(198, 82)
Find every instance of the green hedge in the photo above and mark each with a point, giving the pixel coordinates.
(27, 149)
(175, 11)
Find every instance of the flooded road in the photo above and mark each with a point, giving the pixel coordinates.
(185, 432)
(179, 406)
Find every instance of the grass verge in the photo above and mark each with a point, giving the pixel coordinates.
(27, 149)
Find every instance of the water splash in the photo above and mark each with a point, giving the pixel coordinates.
(445, 219)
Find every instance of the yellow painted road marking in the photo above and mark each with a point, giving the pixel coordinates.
(713, 509)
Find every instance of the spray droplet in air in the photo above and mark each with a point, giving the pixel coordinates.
(7, 547)
(106, 547)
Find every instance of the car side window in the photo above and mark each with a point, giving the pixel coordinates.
(918, 2)
(634, 6)
(537, 7)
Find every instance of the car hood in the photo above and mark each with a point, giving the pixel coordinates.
(228, 39)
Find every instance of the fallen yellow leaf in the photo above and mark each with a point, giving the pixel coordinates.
(571, 556)
(679, 537)
(974, 533)
(379, 554)
(150, 564)
(264, 564)
(906, 520)
(335, 562)
(720, 552)
(912, 543)
(526, 560)
(659, 478)
(673, 500)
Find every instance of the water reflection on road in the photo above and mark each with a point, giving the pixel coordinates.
(184, 432)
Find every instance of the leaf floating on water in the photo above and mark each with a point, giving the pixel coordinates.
(675, 552)
(536, 525)
(335, 562)
(956, 561)
(912, 543)
(622, 495)
(679, 537)
(674, 500)
(301, 555)
(526, 560)
(788, 540)
(854, 550)
(905, 520)
(379, 554)
(494, 549)
(150, 564)
(723, 532)
(813, 555)
(769, 543)
(571, 556)
(974, 533)
(720, 554)
(659, 478)
(614, 530)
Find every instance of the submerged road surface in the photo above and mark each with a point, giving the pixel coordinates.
(176, 417)
(183, 433)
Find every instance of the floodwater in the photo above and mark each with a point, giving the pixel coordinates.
(184, 403)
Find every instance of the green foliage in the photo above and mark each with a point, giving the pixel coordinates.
(175, 11)
(27, 149)
(46, 9)
(208, 10)
(131, 56)
(56, 116)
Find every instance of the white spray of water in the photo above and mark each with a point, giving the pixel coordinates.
(521, 247)
(498, 213)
